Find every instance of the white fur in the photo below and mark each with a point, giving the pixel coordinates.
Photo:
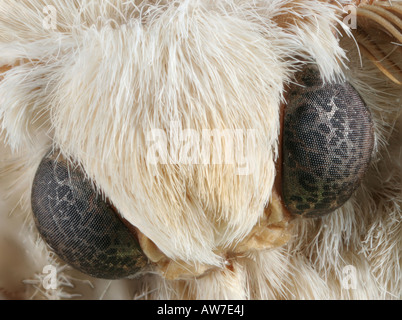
(113, 70)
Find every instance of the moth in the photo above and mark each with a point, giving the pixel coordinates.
(200, 149)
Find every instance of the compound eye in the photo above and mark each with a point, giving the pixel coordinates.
(79, 226)
(327, 143)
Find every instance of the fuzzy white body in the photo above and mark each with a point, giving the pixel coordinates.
(108, 73)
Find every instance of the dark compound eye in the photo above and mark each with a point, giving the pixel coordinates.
(81, 228)
(327, 143)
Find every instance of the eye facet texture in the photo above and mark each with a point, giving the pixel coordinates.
(79, 226)
(327, 143)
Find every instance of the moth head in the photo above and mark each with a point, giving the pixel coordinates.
(172, 115)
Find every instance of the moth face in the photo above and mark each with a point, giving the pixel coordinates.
(326, 149)
(182, 142)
